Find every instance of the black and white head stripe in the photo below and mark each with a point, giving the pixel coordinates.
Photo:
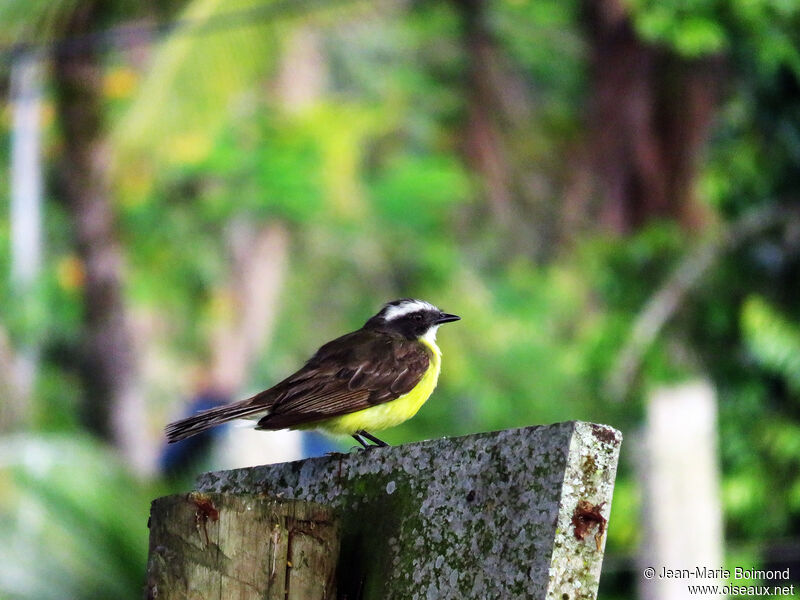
(413, 319)
(406, 306)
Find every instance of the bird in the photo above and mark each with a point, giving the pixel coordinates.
(368, 380)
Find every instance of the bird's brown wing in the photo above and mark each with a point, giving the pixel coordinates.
(356, 371)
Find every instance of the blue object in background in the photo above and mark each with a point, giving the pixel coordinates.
(178, 458)
(317, 444)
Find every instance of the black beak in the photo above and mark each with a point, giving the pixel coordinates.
(445, 318)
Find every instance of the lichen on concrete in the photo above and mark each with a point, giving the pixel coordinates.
(588, 481)
(481, 516)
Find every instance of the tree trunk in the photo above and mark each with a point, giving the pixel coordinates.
(649, 116)
(499, 112)
(259, 257)
(13, 397)
(112, 408)
(484, 144)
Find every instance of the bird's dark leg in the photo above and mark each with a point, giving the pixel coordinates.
(357, 438)
(372, 438)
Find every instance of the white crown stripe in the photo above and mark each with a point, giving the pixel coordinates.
(392, 312)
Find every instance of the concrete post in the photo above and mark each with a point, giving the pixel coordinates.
(511, 514)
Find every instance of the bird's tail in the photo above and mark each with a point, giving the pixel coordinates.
(212, 417)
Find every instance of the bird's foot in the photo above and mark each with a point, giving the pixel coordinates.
(376, 442)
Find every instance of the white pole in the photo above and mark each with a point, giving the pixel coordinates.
(682, 510)
(26, 200)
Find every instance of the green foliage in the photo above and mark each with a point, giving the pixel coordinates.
(32, 20)
(691, 29)
(766, 28)
(773, 339)
(72, 521)
(372, 183)
(272, 169)
(555, 61)
(418, 193)
(625, 534)
(174, 128)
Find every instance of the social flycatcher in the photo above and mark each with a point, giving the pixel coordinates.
(370, 379)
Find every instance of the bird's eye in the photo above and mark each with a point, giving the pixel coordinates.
(418, 317)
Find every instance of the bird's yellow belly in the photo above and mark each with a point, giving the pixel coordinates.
(389, 414)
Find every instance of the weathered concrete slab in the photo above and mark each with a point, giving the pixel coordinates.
(513, 514)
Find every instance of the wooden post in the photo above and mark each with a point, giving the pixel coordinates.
(238, 547)
(513, 514)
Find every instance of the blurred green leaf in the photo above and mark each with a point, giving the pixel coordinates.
(420, 192)
(193, 83)
(73, 520)
(773, 341)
